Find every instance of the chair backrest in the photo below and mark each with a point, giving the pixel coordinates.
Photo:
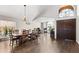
(16, 31)
(33, 31)
(11, 36)
(25, 32)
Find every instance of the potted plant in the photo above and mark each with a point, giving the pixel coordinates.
(52, 33)
(5, 30)
(10, 30)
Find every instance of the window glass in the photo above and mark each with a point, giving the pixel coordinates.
(66, 13)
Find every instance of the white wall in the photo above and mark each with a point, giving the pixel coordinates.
(21, 24)
(60, 18)
(77, 30)
(8, 21)
(77, 26)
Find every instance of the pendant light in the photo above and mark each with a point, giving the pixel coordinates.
(25, 13)
(25, 20)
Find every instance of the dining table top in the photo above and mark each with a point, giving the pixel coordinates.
(19, 35)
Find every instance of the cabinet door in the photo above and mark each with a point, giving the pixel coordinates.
(60, 28)
(66, 29)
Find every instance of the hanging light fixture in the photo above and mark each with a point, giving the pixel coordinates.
(24, 12)
(25, 20)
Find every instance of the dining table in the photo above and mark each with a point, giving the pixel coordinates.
(19, 37)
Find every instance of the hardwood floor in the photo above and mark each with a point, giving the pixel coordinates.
(4, 47)
(44, 44)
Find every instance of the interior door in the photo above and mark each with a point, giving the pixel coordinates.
(66, 29)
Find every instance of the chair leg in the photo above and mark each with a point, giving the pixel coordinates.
(12, 43)
(16, 42)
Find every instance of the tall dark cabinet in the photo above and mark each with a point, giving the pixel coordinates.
(66, 29)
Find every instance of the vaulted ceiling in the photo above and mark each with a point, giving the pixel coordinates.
(32, 11)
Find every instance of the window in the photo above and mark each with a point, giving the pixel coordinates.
(6, 26)
(66, 11)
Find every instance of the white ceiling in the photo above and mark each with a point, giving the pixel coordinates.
(32, 11)
(14, 11)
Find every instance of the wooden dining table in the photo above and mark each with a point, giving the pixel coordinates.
(19, 37)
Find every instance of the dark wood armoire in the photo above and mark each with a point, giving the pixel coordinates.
(66, 29)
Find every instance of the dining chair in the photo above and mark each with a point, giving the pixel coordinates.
(12, 40)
